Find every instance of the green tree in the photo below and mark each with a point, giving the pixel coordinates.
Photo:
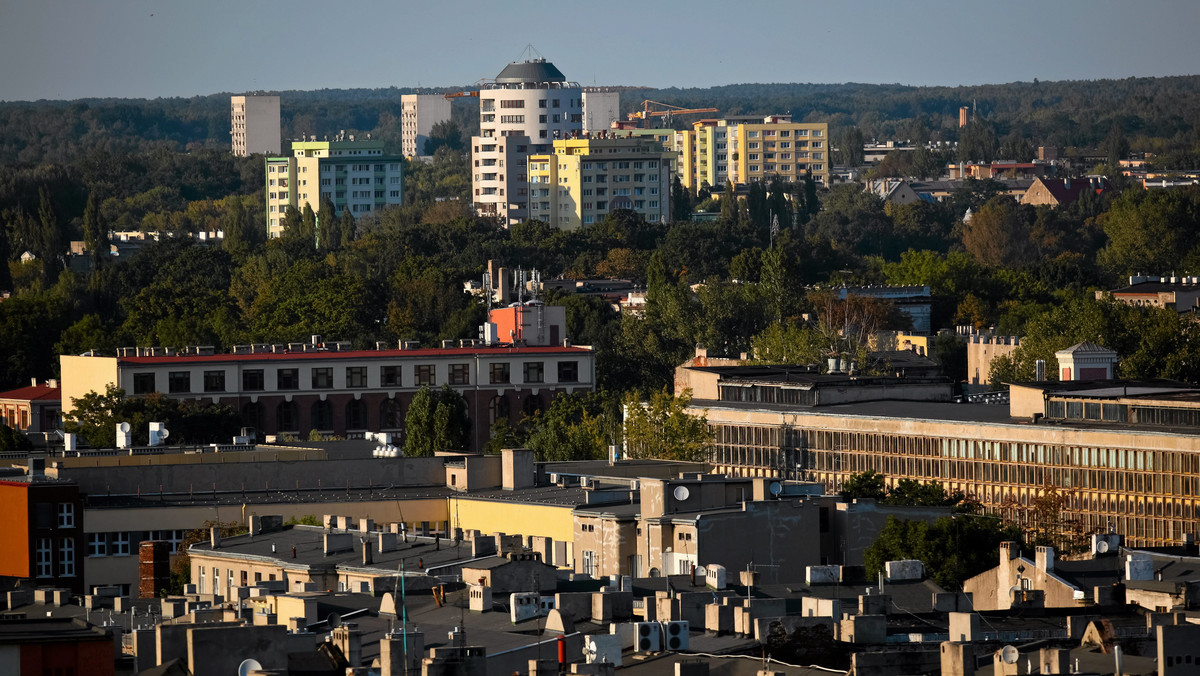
(662, 428)
(436, 421)
(445, 133)
(329, 227)
(95, 233)
(915, 493)
(784, 343)
(952, 549)
(729, 204)
(574, 427)
(1151, 231)
(869, 485)
(13, 441)
(998, 234)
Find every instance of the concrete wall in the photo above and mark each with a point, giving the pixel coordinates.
(981, 350)
(781, 531)
(217, 651)
(269, 472)
(855, 526)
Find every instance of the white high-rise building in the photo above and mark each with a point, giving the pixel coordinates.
(522, 112)
(254, 125)
(418, 114)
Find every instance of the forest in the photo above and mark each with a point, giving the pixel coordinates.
(75, 171)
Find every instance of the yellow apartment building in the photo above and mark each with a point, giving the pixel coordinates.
(588, 177)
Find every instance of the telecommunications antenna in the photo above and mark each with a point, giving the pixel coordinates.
(681, 493)
(1102, 547)
(247, 666)
(1009, 654)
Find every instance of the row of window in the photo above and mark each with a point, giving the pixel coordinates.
(121, 543)
(321, 378)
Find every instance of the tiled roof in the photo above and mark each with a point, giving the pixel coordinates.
(34, 393)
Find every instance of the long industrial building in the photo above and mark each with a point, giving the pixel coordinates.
(1122, 456)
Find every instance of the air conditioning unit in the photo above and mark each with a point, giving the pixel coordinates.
(676, 635)
(647, 637)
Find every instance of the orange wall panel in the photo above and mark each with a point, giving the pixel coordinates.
(14, 536)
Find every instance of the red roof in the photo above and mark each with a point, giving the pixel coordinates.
(1069, 190)
(354, 354)
(34, 393)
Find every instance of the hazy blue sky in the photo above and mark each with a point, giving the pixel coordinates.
(64, 49)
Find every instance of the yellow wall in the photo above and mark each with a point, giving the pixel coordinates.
(488, 516)
(81, 375)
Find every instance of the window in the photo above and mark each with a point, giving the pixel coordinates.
(499, 373)
(120, 543)
(288, 379)
(425, 374)
(322, 379)
(533, 371)
(460, 374)
(66, 515)
(97, 544)
(589, 563)
(214, 381)
(44, 565)
(179, 381)
(512, 103)
(356, 414)
(568, 371)
(253, 380)
(321, 415)
(356, 376)
(66, 557)
(143, 383)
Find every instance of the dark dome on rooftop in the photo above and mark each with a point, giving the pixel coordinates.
(538, 70)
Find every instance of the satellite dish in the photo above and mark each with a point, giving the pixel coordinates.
(681, 493)
(248, 666)
(654, 572)
(775, 488)
(1102, 547)
(124, 427)
(334, 620)
(1009, 654)
(1013, 591)
(700, 570)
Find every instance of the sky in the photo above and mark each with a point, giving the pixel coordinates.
(67, 49)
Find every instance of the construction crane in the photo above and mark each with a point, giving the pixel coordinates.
(646, 113)
(455, 95)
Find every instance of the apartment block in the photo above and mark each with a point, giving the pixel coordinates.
(749, 148)
(587, 177)
(254, 125)
(522, 112)
(418, 114)
(352, 174)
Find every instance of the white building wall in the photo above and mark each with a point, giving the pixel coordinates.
(418, 114)
(600, 109)
(255, 126)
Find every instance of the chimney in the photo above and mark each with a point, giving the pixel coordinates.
(366, 551)
(214, 537)
(255, 524)
(154, 567)
(1008, 552)
(1044, 559)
